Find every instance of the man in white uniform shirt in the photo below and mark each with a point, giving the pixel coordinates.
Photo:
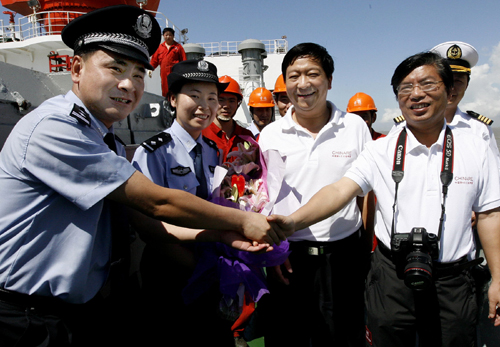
(319, 142)
(443, 174)
(462, 57)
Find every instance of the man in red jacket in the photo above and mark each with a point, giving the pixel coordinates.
(167, 55)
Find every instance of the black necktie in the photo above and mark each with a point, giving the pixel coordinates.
(109, 139)
(201, 190)
(120, 234)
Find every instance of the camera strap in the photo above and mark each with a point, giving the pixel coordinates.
(446, 172)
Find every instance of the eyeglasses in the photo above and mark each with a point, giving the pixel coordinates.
(426, 87)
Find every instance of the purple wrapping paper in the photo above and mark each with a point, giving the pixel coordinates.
(232, 267)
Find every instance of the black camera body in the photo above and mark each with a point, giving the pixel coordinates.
(415, 250)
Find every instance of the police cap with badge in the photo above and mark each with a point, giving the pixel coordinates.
(193, 70)
(126, 30)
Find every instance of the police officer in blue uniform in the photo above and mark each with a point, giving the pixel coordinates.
(169, 160)
(59, 173)
(168, 157)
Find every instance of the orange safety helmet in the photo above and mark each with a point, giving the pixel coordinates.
(361, 102)
(233, 86)
(279, 86)
(261, 97)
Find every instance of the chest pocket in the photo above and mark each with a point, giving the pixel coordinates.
(182, 178)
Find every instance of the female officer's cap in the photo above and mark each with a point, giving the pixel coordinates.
(194, 70)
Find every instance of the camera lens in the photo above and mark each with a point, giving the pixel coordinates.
(418, 270)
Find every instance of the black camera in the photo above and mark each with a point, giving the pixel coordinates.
(415, 250)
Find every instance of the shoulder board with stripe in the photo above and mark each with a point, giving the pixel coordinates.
(155, 142)
(399, 119)
(480, 117)
(80, 115)
(211, 143)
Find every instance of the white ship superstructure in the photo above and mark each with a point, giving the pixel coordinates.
(35, 64)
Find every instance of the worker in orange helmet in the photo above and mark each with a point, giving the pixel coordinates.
(280, 96)
(363, 105)
(224, 130)
(261, 105)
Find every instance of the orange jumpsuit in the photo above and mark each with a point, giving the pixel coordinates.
(167, 58)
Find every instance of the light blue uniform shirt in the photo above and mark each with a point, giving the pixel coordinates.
(55, 171)
(170, 163)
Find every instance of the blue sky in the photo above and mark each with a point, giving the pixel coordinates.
(367, 39)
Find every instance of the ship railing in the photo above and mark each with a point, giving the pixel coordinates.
(230, 48)
(2, 31)
(180, 34)
(52, 22)
(8, 32)
(37, 24)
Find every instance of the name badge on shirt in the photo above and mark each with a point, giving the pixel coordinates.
(180, 170)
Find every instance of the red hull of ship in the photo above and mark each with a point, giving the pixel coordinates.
(57, 20)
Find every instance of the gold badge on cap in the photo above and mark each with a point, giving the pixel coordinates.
(454, 52)
(203, 66)
(143, 26)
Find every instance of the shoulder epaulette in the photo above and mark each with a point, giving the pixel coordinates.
(211, 143)
(80, 115)
(480, 117)
(155, 142)
(399, 119)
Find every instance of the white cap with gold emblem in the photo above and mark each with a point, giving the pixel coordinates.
(460, 55)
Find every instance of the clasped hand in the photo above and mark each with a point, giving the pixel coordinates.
(267, 230)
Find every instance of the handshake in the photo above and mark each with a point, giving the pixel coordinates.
(262, 231)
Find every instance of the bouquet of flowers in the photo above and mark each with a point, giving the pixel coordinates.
(240, 274)
(243, 183)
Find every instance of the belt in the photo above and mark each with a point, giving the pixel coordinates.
(455, 267)
(45, 303)
(316, 248)
(384, 250)
(441, 269)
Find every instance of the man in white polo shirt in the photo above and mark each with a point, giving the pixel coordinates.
(427, 178)
(319, 142)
